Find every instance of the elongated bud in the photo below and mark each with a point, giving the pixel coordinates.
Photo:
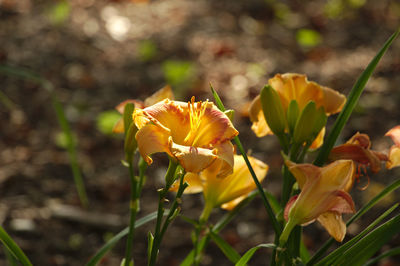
(292, 115)
(273, 110)
(130, 128)
(309, 124)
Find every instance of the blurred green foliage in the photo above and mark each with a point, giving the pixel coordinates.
(179, 74)
(59, 12)
(106, 121)
(147, 50)
(336, 9)
(308, 38)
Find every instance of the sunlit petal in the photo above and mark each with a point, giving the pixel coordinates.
(119, 126)
(259, 126)
(333, 223)
(151, 139)
(194, 182)
(394, 133)
(191, 158)
(394, 157)
(161, 94)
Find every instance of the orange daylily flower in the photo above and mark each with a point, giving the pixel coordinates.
(291, 86)
(161, 94)
(394, 153)
(229, 191)
(323, 196)
(194, 133)
(358, 149)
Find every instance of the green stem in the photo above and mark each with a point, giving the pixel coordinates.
(133, 207)
(169, 178)
(200, 226)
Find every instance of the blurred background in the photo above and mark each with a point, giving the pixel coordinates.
(78, 59)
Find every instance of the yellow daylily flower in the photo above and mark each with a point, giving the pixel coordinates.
(394, 153)
(196, 134)
(323, 196)
(292, 86)
(224, 192)
(358, 149)
(161, 94)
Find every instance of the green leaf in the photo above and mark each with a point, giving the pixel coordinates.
(359, 253)
(267, 205)
(304, 253)
(339, 251)
(107, 246)
(16, 251)
(249, 254)
(351, 102)
(395, 185)
(128, 111)
(273, 110)
(227, 249)
(392, 252)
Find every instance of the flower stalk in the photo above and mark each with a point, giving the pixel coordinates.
(160, 229)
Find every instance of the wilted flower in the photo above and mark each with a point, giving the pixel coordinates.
(357, 148)
(291, 86)
(394, 153)
(161, 94)
(323, 196)
(194, 133)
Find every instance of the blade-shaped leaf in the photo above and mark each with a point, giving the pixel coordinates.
(389, 253)
(352, 100)
(339, 251)
(227, 249)
(14, 248)
(249, 254)
(110, 243)
(359, 253)
(395, 185)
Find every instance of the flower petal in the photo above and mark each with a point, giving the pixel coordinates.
(319, 140)
(394, 157)
(343, 203)
(161, 94)
(394, 133)
(333, 223)
(259, 126)
(194, 182)
(192, 159)
(214, 127)
(289, 205)
(233, 203)
(120, 107)
(337, 175)
(151, 139)
(303, 172)
(292, 86)
(119, 126)
(225, 155)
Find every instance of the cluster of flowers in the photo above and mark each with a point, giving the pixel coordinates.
(198, 136)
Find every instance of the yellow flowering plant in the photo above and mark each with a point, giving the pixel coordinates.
(196, 136)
